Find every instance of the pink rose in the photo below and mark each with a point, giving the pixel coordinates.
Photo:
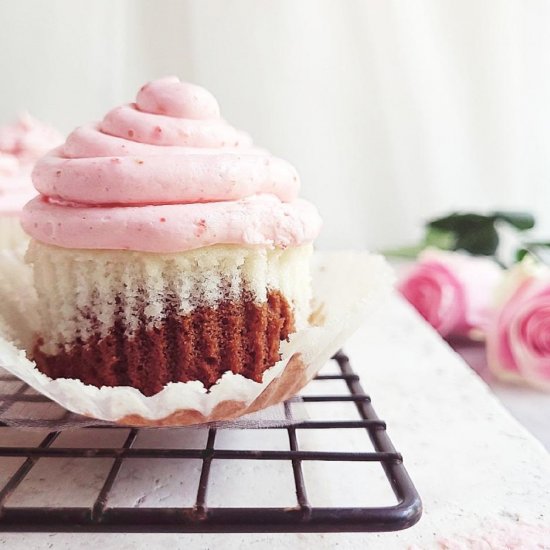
(518, 342)
(452, 291)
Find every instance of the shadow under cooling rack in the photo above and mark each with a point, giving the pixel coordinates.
(116, 479)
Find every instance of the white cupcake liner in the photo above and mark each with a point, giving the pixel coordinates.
(348, 289)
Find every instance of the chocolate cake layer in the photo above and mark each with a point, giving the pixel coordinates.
(242, 337)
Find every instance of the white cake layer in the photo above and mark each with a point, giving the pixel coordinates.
(83, 291)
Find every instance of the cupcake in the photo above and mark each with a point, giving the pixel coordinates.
(21, 145)
(165, 247)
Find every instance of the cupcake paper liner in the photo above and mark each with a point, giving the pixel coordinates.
(348, 288)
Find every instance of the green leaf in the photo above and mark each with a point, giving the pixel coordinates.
(520, 220)
(480, 241)
(445, 240)
(540, 250)
(460, 222)
(404, 252)
(543, 244)
(521, 253)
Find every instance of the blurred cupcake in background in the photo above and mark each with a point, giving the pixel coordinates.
(22, 143)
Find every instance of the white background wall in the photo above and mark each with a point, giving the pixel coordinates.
(393, 111)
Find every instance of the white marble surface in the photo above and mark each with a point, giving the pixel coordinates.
(531, 406)
(480, 473)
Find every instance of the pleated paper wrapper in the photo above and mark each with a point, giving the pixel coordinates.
(348, 288)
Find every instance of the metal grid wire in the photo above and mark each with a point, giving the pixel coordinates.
(102, 516)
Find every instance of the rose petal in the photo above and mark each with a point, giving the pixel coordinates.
(435, 294)
(519, 340)
(452, 291)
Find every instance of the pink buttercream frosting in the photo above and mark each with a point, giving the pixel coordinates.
(166, 174)
(21, 144)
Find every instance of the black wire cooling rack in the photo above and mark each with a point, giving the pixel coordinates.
(25, 470)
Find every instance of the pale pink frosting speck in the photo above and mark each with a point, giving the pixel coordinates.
(142, 177)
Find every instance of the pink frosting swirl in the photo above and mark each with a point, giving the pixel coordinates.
(172, 149)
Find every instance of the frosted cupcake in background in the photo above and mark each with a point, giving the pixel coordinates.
(21, 145)
(166, 247)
